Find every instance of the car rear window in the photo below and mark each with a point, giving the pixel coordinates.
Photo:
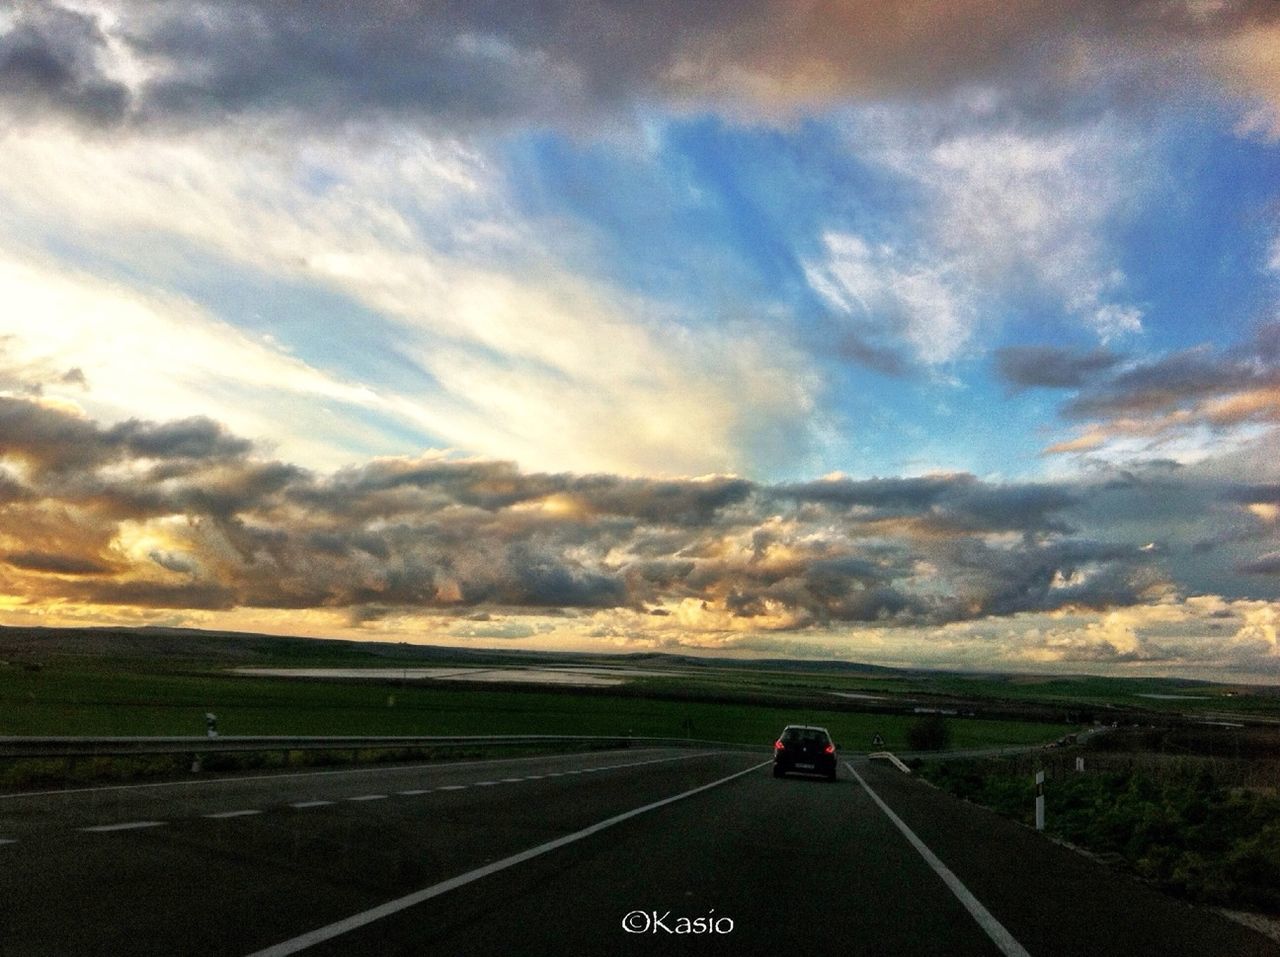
(804, 736)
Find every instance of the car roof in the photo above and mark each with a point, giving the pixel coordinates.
(805, 727)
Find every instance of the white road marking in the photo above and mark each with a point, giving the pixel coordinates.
(452, 787)
(369, 797)
(294, 774)
(414, 793)
(225, 814)
(995, 930)
(303, 941)
(8, 840)
(131, 826)
(306, 804)
(533, 777)
(484, 784)
(510, 780)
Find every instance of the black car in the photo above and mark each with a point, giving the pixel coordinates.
(805, 749)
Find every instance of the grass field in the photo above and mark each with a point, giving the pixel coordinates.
(79, 699)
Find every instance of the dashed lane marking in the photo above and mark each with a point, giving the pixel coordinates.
(130, 826)
(311, 938)
(226, 814)
(376, 769)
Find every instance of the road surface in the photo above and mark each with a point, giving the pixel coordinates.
(550, 855)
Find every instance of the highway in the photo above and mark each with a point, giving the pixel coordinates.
(552, 854)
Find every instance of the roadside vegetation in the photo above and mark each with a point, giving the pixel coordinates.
(1197, 814)
(76, 698)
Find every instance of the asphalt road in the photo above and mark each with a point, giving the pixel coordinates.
(267, 863)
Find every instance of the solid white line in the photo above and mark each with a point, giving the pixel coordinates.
(309, 939)
(225, 814)
(131, 826)
(995, 930)
(305, 804)
(369, 797)
(438, 765)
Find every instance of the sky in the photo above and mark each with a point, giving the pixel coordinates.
(927, 334)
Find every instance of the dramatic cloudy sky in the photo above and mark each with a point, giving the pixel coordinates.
(912, 332)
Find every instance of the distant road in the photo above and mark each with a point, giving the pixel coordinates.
(433, 860)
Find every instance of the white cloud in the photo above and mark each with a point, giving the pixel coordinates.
(155, 354)
(517, 355)
(885, 294)
(1001, 217)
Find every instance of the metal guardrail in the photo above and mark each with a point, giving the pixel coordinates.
(891, 758)
(83, 747)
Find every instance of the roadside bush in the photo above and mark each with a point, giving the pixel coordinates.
(1188, 834)
(930, 733)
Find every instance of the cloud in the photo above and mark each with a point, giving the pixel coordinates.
(139, 509)
(1179, 403)
(997, 220)
(1051, 367)
(479, 339)
(1268, 564)
(889, 299)
(493, 62)
(49, 61)
(149, 521)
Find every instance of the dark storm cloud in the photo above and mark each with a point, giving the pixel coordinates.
(56, 564)
(1203, 388)
(49, 439)
(1051, 367)
(49, 61)
(947, 502)
(1268, 564)
(186, 515)
(1257, 494)
(561, 59)
(1172, 382)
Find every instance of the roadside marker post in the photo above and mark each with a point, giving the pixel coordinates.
(1079, 764)
(1039, 800)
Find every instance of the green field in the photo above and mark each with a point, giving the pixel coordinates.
(75, 698)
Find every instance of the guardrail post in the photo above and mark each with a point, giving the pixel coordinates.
(1039, 800)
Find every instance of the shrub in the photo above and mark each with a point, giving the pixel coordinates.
(930, 733)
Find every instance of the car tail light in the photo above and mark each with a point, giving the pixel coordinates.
(830, 749)
(778, 745)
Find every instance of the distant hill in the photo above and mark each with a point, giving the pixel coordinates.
(196, 645)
